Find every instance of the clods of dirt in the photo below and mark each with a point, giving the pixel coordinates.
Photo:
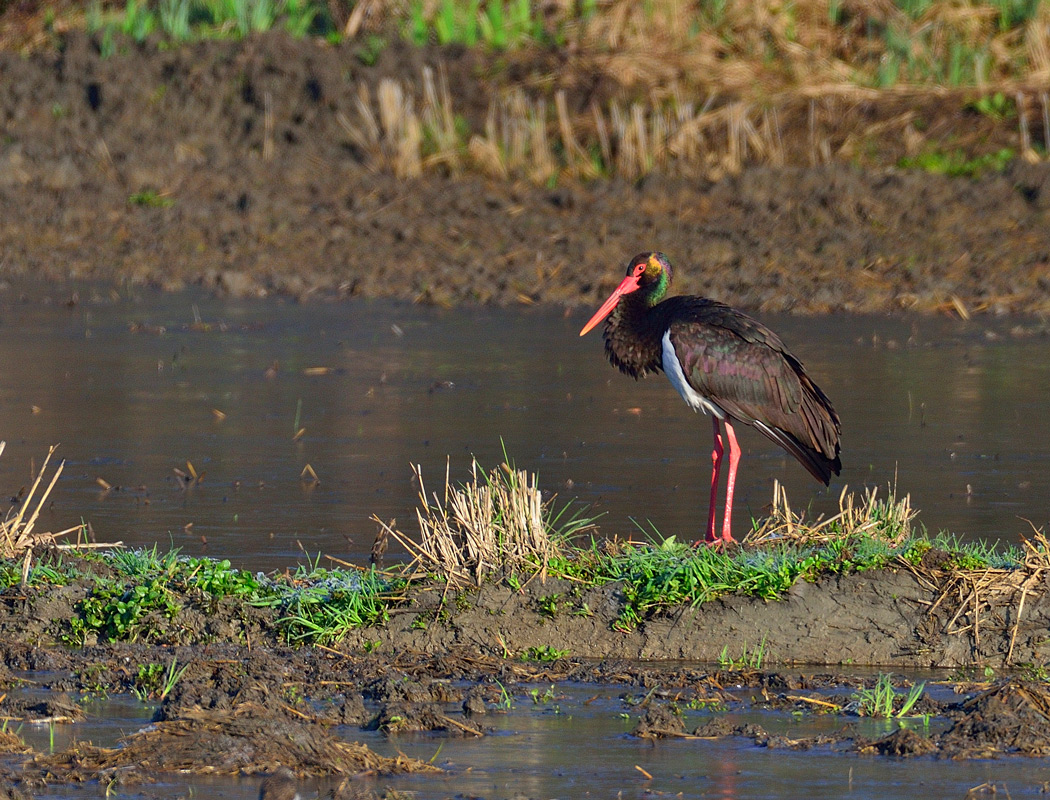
(1012, 717)
(474, 704)
(398, 718)
(659, 722)
(902, 742)
(247, 739)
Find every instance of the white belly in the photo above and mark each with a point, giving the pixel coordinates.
(673, 369)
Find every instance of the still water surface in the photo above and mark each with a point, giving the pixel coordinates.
(132, 389)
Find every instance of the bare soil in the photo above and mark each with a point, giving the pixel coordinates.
(247, 181)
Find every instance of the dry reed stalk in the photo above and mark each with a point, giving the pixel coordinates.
(366, 134)
(603, 134)
(516, 140)
(495, 524)
(402, 130)
(1044, 99)
(576, 158)
(1022, 126)
(438, 119)
(16, 530)
(544, 166)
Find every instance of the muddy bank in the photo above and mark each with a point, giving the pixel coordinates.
(230, 165)
(232, 697)
(930, 615)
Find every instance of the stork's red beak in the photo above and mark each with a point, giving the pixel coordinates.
(627, 285)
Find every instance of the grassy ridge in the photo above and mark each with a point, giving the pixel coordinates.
(139, 594)
(497, 528)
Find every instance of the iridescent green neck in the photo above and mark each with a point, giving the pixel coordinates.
(651, 295)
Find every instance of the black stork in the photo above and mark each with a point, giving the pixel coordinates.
(721, 362)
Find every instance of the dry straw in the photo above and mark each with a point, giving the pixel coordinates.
(494, 523)
(16, 529)
(407, 129)
(710, 89)
(888, 519)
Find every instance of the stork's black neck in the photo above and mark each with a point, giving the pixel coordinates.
(634, 333)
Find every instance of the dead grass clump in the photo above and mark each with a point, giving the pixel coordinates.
(408, 129)
(16, 529)
(389, 130)
(11, 742)
(966, 598)
(497, 522)
(890, 519)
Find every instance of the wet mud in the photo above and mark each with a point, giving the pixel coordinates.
(229, 165)
(247, 738)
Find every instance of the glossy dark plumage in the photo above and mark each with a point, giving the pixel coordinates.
(722, 362)
(739, 365)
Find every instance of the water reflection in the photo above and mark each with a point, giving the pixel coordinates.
(135, 389)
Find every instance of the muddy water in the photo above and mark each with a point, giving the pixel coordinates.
(577, 744)
(133, 388)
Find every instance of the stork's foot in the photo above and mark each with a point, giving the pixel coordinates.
(723, 542)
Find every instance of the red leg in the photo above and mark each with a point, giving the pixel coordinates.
(716, 465)
(734, 460)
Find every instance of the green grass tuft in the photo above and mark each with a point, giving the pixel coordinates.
(883, 701)
(323, 606)
(516, 537)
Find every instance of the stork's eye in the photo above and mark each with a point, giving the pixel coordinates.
(638, 269)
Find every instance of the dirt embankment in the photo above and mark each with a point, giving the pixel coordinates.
(903, 617)
(232, 165)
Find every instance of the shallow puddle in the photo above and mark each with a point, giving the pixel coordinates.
(133, 389)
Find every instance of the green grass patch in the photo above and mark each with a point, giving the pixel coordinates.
(116, 612)
(543, 653)
(150, 199)
(177, 21)
(749, 659)
(956, 164)
(662, 574)
(313, 604)
(155, 681)
(141, 594)
(498, 24)
(323, 606)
